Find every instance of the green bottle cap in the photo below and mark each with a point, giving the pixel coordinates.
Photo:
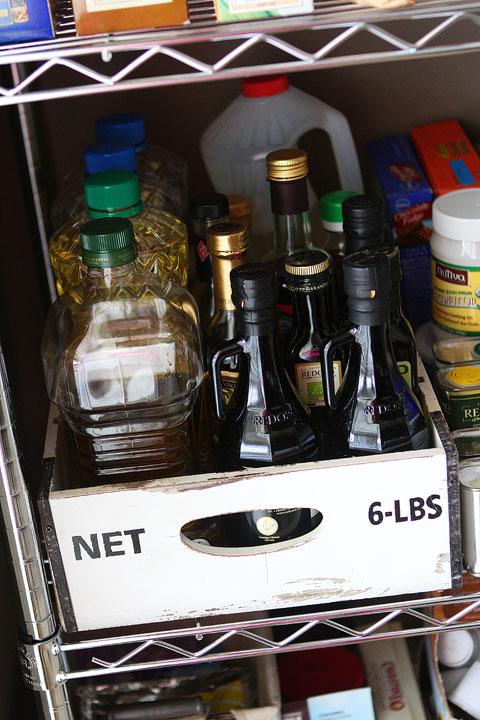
(113, 192)
(331, 208)
(108, 242)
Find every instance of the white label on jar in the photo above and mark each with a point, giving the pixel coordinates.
(456, 297)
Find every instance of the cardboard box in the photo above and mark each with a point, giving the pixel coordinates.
(119, 558)
(232, 10)
(447, 156)
(105, 16)
(408, 203)
(25, 20)
(264, 670)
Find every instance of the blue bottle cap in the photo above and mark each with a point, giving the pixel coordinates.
(122, 126)
(113, 155)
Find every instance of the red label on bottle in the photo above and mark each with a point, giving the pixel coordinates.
(202, 250)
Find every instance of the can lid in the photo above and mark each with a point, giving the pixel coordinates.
(113, 192)
(455, 648)
(264, 86)
(456, 215)
(111, 155)
(465, 375)
(287, 164)
(227, 238)
(208, 206)
(469, 474)
(331, 208)
(108, 242)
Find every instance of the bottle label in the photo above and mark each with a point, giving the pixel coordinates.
(310, 382)
(456, 297)
(462, 411)
(406, 371)
(267, 525)
(229, 383)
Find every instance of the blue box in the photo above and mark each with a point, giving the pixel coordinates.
(408, 205)
(25, 20)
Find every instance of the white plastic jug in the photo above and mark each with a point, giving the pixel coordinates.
(270, 115)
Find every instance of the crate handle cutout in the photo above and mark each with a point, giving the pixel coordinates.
(208, 535)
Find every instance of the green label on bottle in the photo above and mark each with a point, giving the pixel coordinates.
(406, 370)
(310, 382)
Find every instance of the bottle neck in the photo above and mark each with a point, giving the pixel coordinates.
(291, 215)
(395, 300)
(222, 265)
(111, 275)
(354, 243)
(377, 362)
(313, 310)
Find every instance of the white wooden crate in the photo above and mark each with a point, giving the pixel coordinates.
(139, 569)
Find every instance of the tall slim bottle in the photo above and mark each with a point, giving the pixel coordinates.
(227, 244)
(374, 410)
(265, 423)
(287, 172)
(205, 210)
(401, 333)
(363, 225)
(309, 281)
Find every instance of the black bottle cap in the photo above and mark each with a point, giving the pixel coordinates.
(393, 254)
(209, 206)
(254, 294)
(367, 285)
(307, 270)
(363, 221)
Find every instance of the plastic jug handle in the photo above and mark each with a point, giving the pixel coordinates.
(227, 350)
(336, 125)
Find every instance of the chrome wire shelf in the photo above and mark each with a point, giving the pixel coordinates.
(325, 39)
(217, 641)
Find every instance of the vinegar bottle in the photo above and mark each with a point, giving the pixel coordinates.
(374, 410)
(265, 423)
(122, 360)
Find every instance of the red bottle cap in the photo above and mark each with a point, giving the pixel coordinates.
(315, 672)
(264, 85)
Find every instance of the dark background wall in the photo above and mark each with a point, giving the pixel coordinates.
(377, 100)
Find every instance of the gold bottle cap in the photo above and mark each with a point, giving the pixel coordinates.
(307, 262)
(288, 164)
(226, 238)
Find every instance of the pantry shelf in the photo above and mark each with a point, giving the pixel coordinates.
(338, 34)
(418, 617)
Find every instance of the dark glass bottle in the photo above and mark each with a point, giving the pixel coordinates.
(287, 172)
(374, 411)
(363, 225)
(227, 244)
(309, 281)
(401, 333)
(205, 210)
(265, 424)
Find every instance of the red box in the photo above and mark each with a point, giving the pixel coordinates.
(447, 156)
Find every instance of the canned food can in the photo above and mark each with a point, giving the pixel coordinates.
(467, 443)
(458, 391)
(469, 476)
(456, 351)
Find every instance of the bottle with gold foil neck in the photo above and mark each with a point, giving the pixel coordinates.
(227, 244)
